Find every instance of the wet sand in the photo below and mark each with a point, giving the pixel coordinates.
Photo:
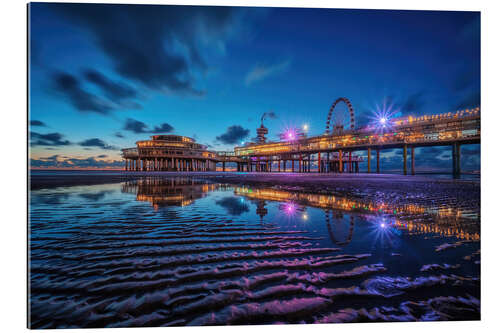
(392, 189)
(153, 253)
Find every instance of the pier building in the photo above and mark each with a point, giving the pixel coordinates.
(169, 153)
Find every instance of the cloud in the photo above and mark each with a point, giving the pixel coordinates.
(233, 206)
(163, 128)
(234, 134)
(37, 123)
(50, 139)
(57, 161)
(413, 103)
(158, 46)
(260, 72)
(270, 115)
(95, 142)
(119, 135)
(69, 86)
(102, 156)
(463, 80)
(471, 100)
(119, 93)
(137, 127)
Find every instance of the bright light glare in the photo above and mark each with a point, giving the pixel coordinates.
(382, 225)
(305, 127)
(305, 217)
(383, 120)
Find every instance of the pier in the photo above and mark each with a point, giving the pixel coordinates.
(336, 150)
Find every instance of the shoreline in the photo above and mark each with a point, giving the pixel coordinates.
(381, 188)
(47, 179)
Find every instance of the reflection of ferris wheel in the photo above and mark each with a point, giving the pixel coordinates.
(339, 232)
(340, 117)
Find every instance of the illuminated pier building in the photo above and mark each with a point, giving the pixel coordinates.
(333, 151)
(169, 153)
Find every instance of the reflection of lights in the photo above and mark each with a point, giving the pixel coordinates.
(289, 208)
(384, 232)
(305, 217)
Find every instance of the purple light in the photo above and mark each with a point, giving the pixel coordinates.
(290, 208)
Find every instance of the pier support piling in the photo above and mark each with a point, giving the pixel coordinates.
(405, 154)
(378, 160)
(341, 163)
(369, 159)
(456, 160)
(413, 161)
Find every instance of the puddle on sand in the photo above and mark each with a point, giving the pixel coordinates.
(157, 252)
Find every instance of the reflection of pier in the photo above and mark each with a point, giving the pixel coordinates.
(167, 192)
(415, 218)
(334, 218)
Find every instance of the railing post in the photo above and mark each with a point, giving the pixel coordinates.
(319, 162)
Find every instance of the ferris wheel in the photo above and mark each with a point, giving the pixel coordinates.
(340, 117)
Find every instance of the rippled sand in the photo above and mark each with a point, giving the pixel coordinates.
(158, 252)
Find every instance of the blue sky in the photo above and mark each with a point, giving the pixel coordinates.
(105, 76)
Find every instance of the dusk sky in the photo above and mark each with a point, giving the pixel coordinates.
(104, 76)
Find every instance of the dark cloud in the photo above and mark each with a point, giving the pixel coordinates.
(163, 128)
(102, 156)
(119, 135)
(233, 206)
(119, 93)
(95, 142)
(159, 46)
(463, 80)
(37, 123)
(69, 86)
(113, 90)
(50, 139)
(270, 115)
(471, 100)
(137, 126)
(414, 103)
(234, 134)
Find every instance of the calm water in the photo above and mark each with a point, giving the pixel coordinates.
(159, 252)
